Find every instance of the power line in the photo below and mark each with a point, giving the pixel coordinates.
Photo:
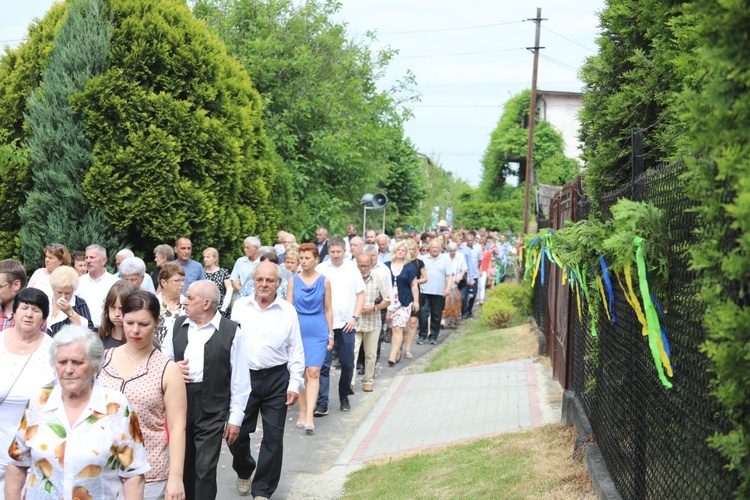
(559, 63)
(456, 106)
(459, 53)
(499, 84)
(9, 41)
(568, 39)
(448, 29)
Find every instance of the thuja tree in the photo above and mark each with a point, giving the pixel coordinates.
(21, 72)
(14, 164)
(60, 152)
(509, 143)
(177, 136)
(631, 82)
(717, 119)
(331, 125)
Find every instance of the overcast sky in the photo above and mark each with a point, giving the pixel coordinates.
(468, 58)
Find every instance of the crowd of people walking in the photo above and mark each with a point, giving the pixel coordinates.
(125, 384)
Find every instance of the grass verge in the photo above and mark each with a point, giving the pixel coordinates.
(505, 466)
(481, 345)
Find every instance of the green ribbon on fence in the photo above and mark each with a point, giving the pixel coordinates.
(652, 318)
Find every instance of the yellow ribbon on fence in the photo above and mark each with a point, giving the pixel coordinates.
(537, 261)
(604, 296)
(631, 298)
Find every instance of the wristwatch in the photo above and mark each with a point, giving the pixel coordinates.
(356, 318)
(70, 314)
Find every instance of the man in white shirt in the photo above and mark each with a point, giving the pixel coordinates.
(435, 290)
(347, 301)
(244, 266)
(473, 254)
(94, 286)
(384, 254)
(204, 338)
(275, 358)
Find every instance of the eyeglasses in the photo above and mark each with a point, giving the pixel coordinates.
(422, 250)
(4, 285)
(56, 246)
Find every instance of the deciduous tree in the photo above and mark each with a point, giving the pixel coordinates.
(508, 146)
(338, 135)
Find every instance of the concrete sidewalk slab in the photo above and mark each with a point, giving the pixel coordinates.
(432, 409)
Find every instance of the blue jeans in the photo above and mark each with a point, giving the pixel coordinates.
(345, 348)
(468, 294)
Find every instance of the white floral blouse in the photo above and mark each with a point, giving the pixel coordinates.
(86, 461)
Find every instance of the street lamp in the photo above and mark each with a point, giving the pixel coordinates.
(372, 202)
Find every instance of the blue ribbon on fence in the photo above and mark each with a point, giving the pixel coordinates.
(608, 286)
(542, 264)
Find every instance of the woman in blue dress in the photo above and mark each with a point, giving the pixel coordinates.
(310, 293)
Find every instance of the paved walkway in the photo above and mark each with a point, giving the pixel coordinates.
(438, 408)
(404, 414)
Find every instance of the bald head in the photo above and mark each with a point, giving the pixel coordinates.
(202, 300)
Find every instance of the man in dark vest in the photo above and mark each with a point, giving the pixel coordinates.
(206, 347)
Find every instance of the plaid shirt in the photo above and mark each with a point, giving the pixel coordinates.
(7, 321)
(374, 285)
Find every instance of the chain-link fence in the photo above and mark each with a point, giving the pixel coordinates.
(653, 439)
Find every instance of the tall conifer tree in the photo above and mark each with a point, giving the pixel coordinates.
(60, 152)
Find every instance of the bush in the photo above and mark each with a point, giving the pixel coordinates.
(519, 295)
(498, 313)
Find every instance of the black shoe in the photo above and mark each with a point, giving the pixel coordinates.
(351, 389)
(345, 406)
(433, 342)
(420, 341)
(321, 410)
(361, 370)
(337, 365)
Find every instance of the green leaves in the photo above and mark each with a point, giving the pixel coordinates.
(509, 144)
(177, 135)
(336, 134)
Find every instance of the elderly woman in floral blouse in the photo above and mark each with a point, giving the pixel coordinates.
(77, 439)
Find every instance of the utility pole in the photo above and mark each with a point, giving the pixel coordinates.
(532, 116)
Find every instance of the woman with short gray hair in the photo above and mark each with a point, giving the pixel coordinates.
(67, 308)
(94, 428)
(92, 344)
(133, 269)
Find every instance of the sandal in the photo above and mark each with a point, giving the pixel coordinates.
(300, 423)
(408, 355)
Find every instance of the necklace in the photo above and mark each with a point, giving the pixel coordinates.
(21, 343)
(135, 363)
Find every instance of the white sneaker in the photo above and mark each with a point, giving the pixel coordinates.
(243, 486)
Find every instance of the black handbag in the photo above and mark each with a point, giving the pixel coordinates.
(462, 283)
